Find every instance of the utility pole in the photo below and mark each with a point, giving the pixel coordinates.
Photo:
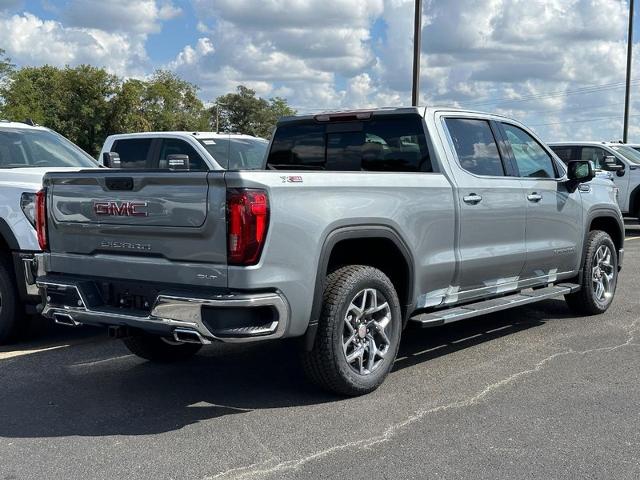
(625, 133)
(417, 43)
(218, 105)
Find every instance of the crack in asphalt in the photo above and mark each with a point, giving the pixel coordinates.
(271, 467)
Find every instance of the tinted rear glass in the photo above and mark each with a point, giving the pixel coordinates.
(394, 143)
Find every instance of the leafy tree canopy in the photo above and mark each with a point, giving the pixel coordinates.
(244, 112)
(86, 104)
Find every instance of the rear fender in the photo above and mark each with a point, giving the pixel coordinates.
(353, 233)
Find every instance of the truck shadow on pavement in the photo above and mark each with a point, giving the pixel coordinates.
(97, 389)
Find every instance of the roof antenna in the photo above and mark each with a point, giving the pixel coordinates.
(30, 122)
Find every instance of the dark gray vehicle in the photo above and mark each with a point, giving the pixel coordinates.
(359, 223)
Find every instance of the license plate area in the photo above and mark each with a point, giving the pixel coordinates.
(130, 297)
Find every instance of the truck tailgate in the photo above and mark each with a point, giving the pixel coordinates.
(145, 222)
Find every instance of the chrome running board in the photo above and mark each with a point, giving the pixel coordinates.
(484, 307)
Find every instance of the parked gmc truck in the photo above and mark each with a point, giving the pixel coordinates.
(357, 224)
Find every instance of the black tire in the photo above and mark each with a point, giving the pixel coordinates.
(326, 364)
(10, 311)
(586, 301)
(160, 350)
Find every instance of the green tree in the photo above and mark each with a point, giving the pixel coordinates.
(72, 101)
(244, 112)
(128, 110)
(170, 103)
(86, 108)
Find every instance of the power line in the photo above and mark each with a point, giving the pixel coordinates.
(616, 117)
(566, 110)
(556, 94)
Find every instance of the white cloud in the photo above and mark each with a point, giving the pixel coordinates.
(497, 55)
(139, 17)
(298, 46)
(32, 41)
(191, 55)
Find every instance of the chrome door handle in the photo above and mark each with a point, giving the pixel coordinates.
(472, 199)
(534, 197)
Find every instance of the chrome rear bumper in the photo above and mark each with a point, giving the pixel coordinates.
(171, 310)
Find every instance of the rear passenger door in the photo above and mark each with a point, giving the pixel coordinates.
(492, 210)
(554, 213)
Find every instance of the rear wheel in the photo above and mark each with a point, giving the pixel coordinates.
(599, 276)
(358, 332)
(160, 349)
(10, 312)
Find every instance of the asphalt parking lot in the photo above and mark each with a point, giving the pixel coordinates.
(528, 393)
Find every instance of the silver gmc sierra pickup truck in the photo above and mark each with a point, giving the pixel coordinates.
(357, 224)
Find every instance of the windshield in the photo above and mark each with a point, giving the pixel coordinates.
(629, 153)
(22, 148)
(237, 153)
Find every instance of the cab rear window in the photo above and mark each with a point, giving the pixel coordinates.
(391, 143)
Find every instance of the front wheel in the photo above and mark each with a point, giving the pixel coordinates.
(358, 332)
(160, 349)
(599, 276)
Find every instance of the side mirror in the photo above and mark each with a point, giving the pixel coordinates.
(611, 165)
(580, 171)
(111, 160)
(178, 161)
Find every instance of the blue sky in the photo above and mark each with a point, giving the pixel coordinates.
(557, 65)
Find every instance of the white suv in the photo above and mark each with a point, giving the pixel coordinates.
(205, 150)
(26, 153)
(624, 166)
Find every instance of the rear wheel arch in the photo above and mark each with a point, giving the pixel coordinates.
(355, 245)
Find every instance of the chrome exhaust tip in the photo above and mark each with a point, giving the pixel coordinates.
(65, 319)
(185, 335)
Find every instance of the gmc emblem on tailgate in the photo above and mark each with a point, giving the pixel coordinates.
(120, 209)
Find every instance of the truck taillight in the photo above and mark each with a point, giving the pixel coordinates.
(247, 223)
(41, 218)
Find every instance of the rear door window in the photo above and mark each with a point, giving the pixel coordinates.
(386, 143)
(475, 146)
(134, 152)
(175, 146)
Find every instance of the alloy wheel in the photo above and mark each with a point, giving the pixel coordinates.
(602, 274)
(365, 340)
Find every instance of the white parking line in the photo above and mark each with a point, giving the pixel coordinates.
(97, 362)
(631, 238)
(21, 353)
